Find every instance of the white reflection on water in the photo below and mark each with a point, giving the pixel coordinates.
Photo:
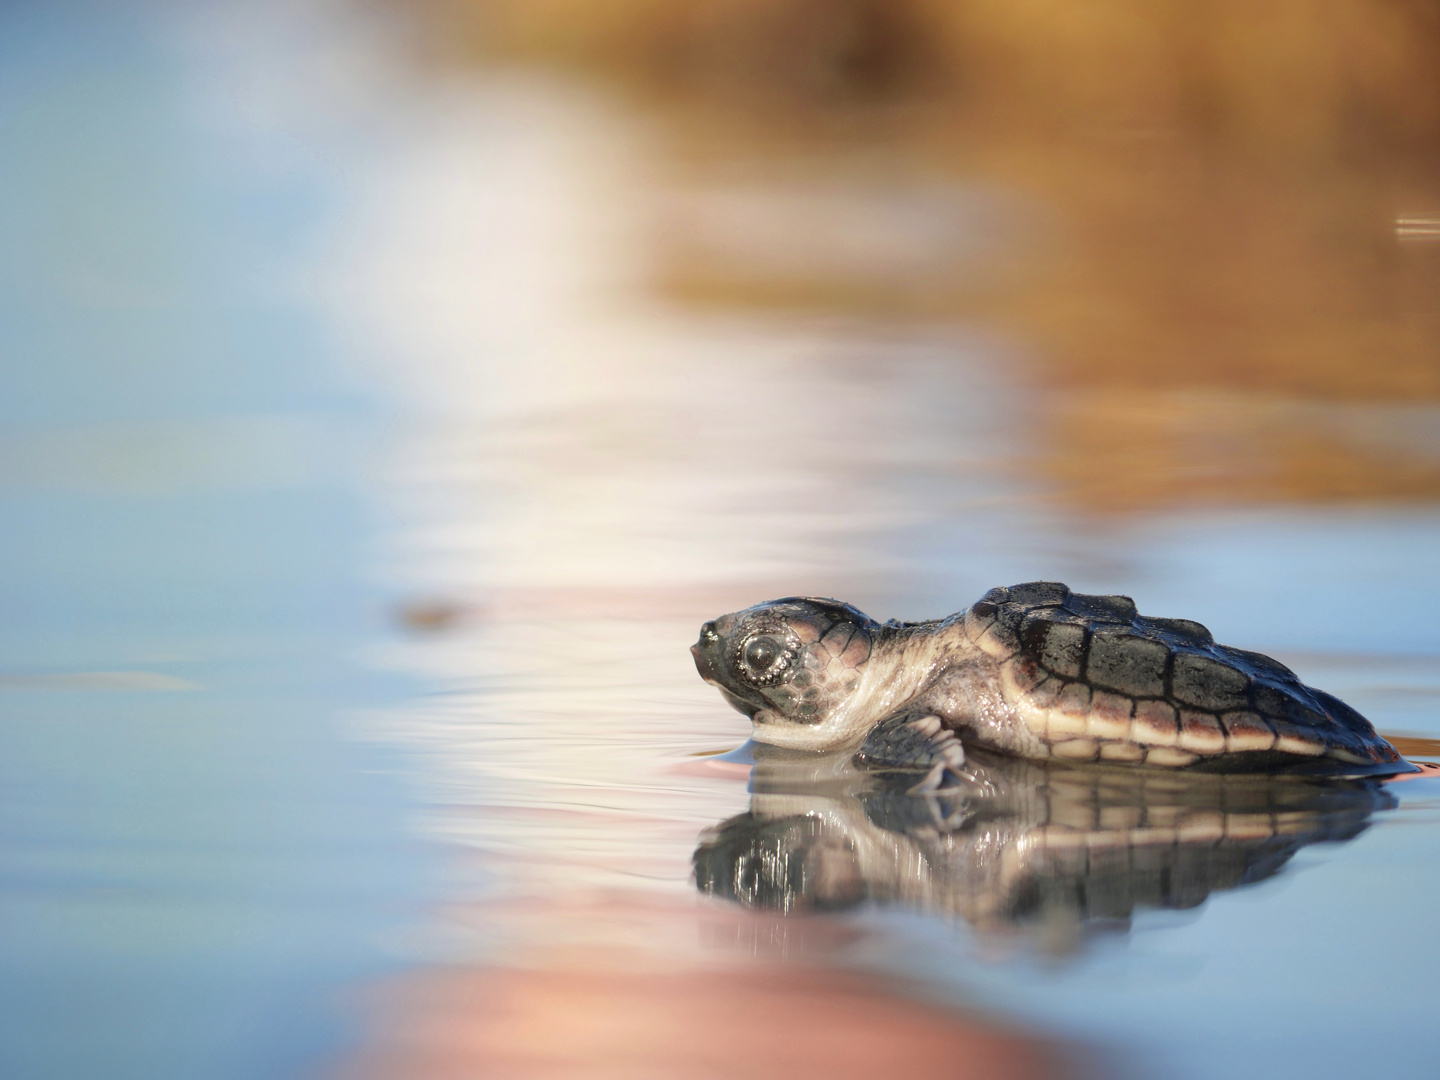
(594, 475)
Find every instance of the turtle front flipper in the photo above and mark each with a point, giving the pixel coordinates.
(913, 737)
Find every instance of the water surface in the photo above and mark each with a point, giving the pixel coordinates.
(356, 534)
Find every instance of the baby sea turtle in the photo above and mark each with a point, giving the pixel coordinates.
(1034, 671)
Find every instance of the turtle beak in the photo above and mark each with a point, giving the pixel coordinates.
(706, 652)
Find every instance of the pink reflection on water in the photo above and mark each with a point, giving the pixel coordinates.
(631, 1013)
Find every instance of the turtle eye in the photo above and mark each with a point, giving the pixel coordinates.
(761, 656)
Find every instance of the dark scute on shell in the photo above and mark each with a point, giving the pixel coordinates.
(1188, 631)
(1335, 735)
(1304, 716)
(1343, 714)
(1057, 646)
(1010, 616)
(1034, 632)
(1102, 640)
(981, 617)
(1006, 629)
(1258, 663)
(1127, 662)
(984, 609)
(1200, 723)
(1006, 639)
(1207, 683)
(1058, 616)
(1293, 702)
(1102, 608)
(1271, 700)
(1039, 593)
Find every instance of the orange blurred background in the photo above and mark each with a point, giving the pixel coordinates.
(1221, 231)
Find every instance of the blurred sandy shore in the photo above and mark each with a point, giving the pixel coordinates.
(1222, 236)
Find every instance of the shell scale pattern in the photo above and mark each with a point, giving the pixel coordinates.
(1093, 679)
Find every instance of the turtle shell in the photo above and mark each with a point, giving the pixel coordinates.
(1092, 678)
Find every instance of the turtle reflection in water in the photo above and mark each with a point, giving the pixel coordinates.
(1017, 845)
(1033, 671)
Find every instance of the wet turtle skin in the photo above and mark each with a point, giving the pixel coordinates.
(1034, 671)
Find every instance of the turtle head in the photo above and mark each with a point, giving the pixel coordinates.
(789, 665)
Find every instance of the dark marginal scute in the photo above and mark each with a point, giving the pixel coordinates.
(1304, 716)
(1075, 698)
(1006, 628)
(1343, 714)
(1200, 723)
(1209, 684)
(1127, 663)
(1102, 608)
(984, 609)
(1058, 646)
(1338, 735)
(1026, 672)
(1006, 639)
(1244, 723)
(1039, 593)
(1034, 631)
(1245, 761)
(1047, 693)
(1271, 700)
(1380, 750)
(998, 595)
(1155, 722)
(1258, 663)
(980, 618)
(1009, 618)
(1187, 631)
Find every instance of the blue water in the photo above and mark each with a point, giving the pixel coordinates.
(193, 855)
